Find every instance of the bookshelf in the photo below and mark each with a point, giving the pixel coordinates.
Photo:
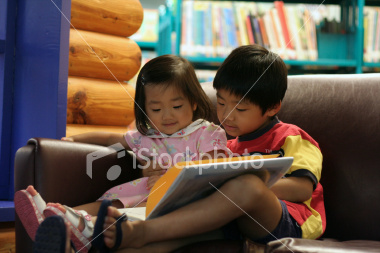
(371, 24)
(335, 50)
(146, 37)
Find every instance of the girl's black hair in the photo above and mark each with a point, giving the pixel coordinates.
(170, 70)
(254, 73)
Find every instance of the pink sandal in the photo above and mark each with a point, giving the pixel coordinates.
(80, 239)
(29, 209)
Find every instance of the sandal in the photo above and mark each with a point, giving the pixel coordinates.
(51, 236)
(80, 239)
(29, 209)
(98, 241)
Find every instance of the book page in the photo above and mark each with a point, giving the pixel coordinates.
(180, 186)
(135, 213)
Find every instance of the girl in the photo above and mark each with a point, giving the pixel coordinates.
(171, 111)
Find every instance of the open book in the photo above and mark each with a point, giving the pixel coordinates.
(190, 181)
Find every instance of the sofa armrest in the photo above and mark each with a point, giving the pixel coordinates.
(325, 246)
(58, 171)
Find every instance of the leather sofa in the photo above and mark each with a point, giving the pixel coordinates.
(341, 112)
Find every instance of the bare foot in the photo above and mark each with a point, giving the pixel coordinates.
(31, 190)
(40, 203)
(68, 234)
(132, 231)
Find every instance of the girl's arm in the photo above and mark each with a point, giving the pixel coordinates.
(99, 138)
(155, 172)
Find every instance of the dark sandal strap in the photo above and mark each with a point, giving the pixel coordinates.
(119, 232)
(98, 241)
(73, 246)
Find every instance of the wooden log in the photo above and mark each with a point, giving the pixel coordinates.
(99, 102)
(103, 56)
(117, 17)
(74, 129)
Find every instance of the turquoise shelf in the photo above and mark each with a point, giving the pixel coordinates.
(319, 62)
(147, 45)
(324, 62)
(334, 50)
(210, 60)
(372, 64)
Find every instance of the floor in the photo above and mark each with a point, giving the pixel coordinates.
(7, 237)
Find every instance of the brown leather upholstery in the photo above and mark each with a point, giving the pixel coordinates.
(341, 112)
(57, 169)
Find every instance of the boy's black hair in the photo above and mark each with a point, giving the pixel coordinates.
(253, 72)
(170, 70)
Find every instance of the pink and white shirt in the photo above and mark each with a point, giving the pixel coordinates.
(188, 144)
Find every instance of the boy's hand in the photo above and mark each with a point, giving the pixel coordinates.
(151, 181)
(67, 139)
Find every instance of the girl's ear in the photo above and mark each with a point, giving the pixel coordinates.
(194, 107)
(274, 110)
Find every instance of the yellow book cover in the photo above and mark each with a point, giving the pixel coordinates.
(189, 181)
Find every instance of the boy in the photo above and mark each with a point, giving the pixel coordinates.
(250, 85)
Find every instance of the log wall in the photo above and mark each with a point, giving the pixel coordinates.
(101, 59)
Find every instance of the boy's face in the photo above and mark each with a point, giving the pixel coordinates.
(241, 118)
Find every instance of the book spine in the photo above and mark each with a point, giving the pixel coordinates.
(365, 25)
(228, 29)
(377, 47)
(279, 34)
(230, 14)
(263, 32)
(270, 31)
(308, 21)
(244, 40)
(257, 31)
(279, 5)
(250, 30)
(294, 31)
(237, 25)
(208, 31)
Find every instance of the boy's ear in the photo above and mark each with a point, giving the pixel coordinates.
(274, 110)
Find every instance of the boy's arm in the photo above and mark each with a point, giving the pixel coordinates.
(212, 154)
(99, 138)
(293, 189)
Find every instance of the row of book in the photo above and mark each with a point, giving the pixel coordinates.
(148, 31)
(214, 28)
(371, 23)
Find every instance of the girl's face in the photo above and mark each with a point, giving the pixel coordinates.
(167, 108)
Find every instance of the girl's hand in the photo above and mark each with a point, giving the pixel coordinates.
(152, 169)
(67, 139)
(151, 181)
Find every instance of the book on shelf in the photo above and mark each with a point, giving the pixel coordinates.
(205, 75)
(371, 52)
(148, 31)
(281, 12)
(187, 182)
(214, 28)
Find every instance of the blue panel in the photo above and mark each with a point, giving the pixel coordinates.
(41, 70)
(2, 46)
(7, 38)
(7, 211)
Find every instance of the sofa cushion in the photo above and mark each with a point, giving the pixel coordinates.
(326, 246)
